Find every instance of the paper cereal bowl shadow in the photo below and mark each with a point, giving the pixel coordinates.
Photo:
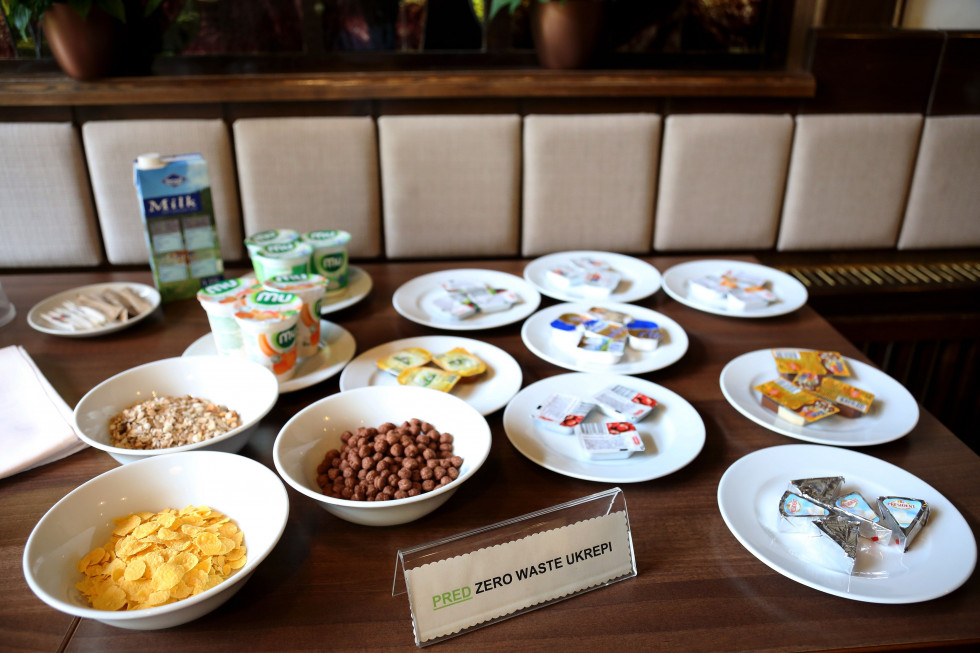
(242, 385)
(305, 439)
(247, 492)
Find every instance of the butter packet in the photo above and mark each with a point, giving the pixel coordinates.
(429, 377)
(794, 404)
(790, 362)
(850, 401)
(460, 361)
(404, 359)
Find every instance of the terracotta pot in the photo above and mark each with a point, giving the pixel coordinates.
(566, 34)
(83, 47)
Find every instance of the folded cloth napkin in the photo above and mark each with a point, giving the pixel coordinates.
(36, 425)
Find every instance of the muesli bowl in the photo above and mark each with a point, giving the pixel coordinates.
(245, 491)
(305, 439)
(241, 385)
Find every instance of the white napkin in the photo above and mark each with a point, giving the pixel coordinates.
(36, 425)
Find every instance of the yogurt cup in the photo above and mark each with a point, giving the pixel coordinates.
(310, 288)
(282, 258)
(257, 241)
(330, 257)
(268, 321)
(220, 301)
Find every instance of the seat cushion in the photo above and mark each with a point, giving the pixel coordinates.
(848, 180)
(308, 174)
(589, 182)
(944, 201)
(450, 185)
(722, 179)
(45, 205)
(112, 145)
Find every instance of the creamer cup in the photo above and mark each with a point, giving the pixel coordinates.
(220, 301)
(310, 288)
(282, 258)
(257, 241)
(268, 321)
(330, 257)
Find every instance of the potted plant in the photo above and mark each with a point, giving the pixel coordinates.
(565, 32)
(85, 36)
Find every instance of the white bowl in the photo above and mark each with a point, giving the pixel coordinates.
(244, 490)
(242, 385)
(303, 441)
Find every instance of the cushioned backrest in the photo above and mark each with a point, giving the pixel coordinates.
(944, 201)
(46, 212)
(721, 181)
(589, 182)
(848, 180)
(111, 146)
(450, 185)
(308, 174)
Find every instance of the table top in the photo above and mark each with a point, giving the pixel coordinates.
(328, 583)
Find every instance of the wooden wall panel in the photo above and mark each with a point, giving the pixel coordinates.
(872, 71)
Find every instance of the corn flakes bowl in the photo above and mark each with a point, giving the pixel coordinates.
(238, 385)
(248, 493)
(305, 439)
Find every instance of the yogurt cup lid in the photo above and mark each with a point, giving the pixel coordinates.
(270, 236)
(291, 249)
(328, 237)
(300, 281)
(226, 291)
(263, 300)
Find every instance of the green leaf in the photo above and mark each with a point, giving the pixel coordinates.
(151, 6)
(115, 8)
(497, 5)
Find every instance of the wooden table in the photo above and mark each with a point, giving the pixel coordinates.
(328, 584)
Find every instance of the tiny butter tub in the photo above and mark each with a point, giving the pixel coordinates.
(329, 257)
(220, 301)
(268, 321)
(644, 336)
(310, 288)
(282, 258)
(257, 241)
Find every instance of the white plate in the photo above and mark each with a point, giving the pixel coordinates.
(359, 284)
(673, 434)
(892, 415)
(536, 334)
(310, 370)
(35, 319)
(940, 559)
(490, 392)
(414, 299)
(639, 278)
(791, 293)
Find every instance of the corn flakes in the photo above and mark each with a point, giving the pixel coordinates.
(158, 558)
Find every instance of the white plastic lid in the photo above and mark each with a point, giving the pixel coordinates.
(149, 161)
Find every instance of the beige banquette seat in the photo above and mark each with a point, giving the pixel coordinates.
(463, 186)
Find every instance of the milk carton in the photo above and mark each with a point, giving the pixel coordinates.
(175, 200)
